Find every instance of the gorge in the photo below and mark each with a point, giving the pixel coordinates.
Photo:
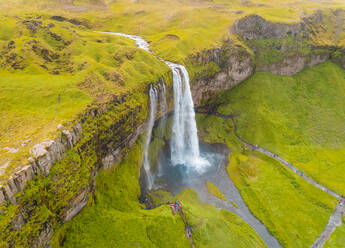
(103, 132)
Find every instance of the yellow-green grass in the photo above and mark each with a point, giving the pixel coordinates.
(301, 118)
(91, 69)
(337, 238)
(116, 219)
(294, 211)
(176, 28)
(212, 189)
(186, 28)
(234, 204)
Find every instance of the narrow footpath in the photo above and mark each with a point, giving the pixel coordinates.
(188, 229)
(335, 219)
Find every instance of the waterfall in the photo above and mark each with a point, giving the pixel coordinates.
(153, 110)
(184, 141)
(163, 105)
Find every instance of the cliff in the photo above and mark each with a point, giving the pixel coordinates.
(278, 48)
(59, 179)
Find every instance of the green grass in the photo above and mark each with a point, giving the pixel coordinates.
(212, 189)
(294, 211)
(97, 66)
(337, 238)
(301, 118)
(116, 219)
(91, 69)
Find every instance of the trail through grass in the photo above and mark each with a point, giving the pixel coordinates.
(116, 219)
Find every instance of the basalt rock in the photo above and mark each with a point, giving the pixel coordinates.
(235, 65)
(256, 27)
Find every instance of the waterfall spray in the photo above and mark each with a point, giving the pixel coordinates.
(153, 110)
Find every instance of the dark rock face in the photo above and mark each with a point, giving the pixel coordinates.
(236, 65)
(108, 143)
(299, 45)
(73, 21)
(256, 27)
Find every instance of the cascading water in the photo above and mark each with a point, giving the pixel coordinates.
(163, 104)
(153, 110)
(184, 141)
(184, 153)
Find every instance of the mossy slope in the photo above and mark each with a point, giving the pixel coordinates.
(294, 211)
(116, 219)
(300, 118)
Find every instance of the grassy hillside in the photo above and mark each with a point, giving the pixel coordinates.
(52, 66)
(116, 218)
(301, 118)
(63, 68)
(294, 211)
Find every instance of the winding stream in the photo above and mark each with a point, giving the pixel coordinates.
(334, 220)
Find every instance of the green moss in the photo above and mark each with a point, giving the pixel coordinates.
(212, 189)
(289, 116)
(117, 216)
(298, 117)
(234, 204)
(216, 228)
(274, 203)
(270, 51)
(121, 221)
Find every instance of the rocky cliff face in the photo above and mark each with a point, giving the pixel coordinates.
(59, 179)
(235, 65)
(295, 63)
(279, 48)
(256, 27)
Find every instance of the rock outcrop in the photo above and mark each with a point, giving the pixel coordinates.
(294, 64)
(44, 155)
(256, 27)
(95, 142)
(235, 65)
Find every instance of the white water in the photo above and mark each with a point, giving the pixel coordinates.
(153, 111)
(140, 42)
(163, 103)
(184, 140)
